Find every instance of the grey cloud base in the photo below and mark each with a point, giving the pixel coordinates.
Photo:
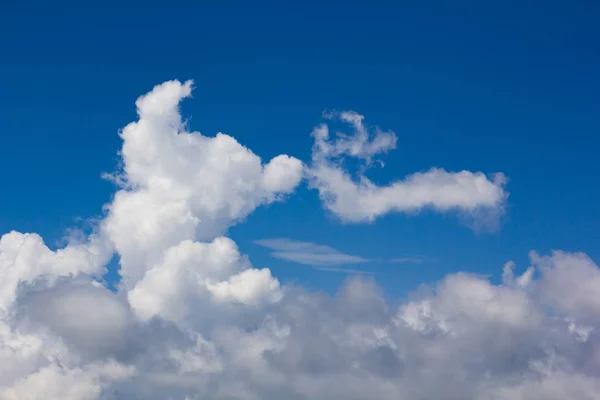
(193, 319)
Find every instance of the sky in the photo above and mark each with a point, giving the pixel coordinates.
(311, 200)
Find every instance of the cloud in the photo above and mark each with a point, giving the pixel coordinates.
(179, 185)
(308, 253)
(345, 270)
(194, 319)
(476, 196)
(412, 260)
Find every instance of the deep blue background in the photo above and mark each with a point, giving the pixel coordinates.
(491, 86)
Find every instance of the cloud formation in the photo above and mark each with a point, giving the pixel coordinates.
(193, 319)
(412, 260)
(308, 253)
(473, 194)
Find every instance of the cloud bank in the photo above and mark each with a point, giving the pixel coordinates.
(193, 319)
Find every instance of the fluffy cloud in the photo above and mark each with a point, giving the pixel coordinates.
(193, 319)
(179, 185)
(360, 200)
(53, 382)
(24, 258)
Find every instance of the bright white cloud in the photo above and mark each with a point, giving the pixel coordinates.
(360, 200)
(193, 274)
(179, 185)
(194, 319)
(308, 253)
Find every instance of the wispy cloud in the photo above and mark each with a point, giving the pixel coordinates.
(326, 258)
(309, 253)
(345, 270)
(412, 260)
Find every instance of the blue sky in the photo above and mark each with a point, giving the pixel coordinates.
(492, 88)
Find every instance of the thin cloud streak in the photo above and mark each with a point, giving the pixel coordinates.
(319, 255)
(308, 253)
(345, 270)
(412, 260)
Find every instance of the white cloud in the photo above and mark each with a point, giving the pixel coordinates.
(569, 283)
(54, 383)
(345, 270)
(25, 257)
(180, 185)
(194, 319)
(194, 273)
(473, 194)
(412, 260)
(308, 253)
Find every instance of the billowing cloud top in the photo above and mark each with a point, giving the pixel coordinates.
(193, 319)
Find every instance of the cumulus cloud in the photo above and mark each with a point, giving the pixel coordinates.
(193, 319)
(179, 185)
(473, 194)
